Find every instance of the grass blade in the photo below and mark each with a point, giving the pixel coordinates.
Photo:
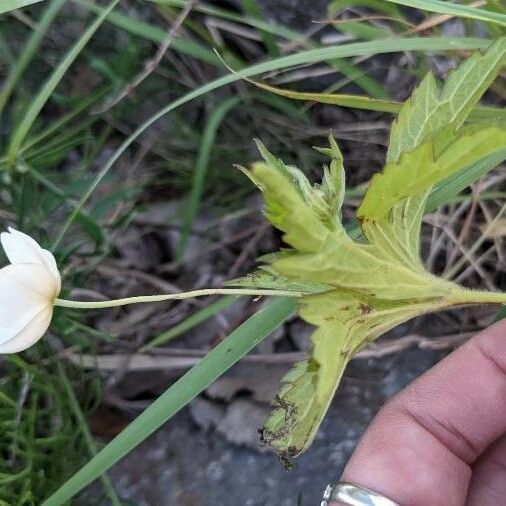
(29, 50)
(213, 365)
(363, 102)
(454, 9)
(190, 322)
(451, 187)
(85, 430)
(49, 86)
(251, 9)
(11, 5)
(206, 145)
(154, 33)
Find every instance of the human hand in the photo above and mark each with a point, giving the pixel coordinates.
(442, 440)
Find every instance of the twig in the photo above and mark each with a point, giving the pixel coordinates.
(462, 261)
(469, 270)
(470, 258)
(439, 19)
(151, 65)
(177, 359)
(362, 18)
(247, 250)
(464, 232)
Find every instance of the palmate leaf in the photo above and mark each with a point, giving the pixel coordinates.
(354, 291)
(350, 296)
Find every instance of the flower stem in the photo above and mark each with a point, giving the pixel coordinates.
(76, 304)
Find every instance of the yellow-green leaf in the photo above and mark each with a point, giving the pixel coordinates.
(420, 169)
(430, 109)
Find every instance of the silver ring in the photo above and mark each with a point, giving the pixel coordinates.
(354, 495)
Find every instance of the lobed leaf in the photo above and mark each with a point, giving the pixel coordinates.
(429, 109)
(345, 324)
(418, 170)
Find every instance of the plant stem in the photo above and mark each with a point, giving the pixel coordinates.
(75, 304)
(466, 296)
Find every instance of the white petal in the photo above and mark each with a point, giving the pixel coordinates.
(22, 249)
(30, 333)
(24, 291)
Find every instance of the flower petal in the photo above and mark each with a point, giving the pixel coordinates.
(30, 333)
(24, 291)
(22, 249)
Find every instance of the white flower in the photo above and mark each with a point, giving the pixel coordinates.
(28, 288)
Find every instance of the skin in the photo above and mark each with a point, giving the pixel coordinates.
(442, 440)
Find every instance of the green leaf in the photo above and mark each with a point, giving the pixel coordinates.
(267, 278)
(418, 170)
(345, 324)
(306, 214)
(354, 293)
(362, 102)
(351, 298)
(429, 109)
(452, 186)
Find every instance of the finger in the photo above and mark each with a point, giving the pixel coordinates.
(488, 484)
(420, 448)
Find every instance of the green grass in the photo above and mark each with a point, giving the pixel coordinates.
(39, 442)
(11, 5)
(47, 89)
(453, 9)
(198, 179)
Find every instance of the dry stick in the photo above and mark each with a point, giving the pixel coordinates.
(469, 270)
(470, 258)
(184, 359)
(439, 19)
(239, 261)
(230, 27)
(288, 47)
(473, 263)
(363, 18)
(497, 240)
(151, 65)
(437, 245)
(108, 270)
(465, 230)
(458, 265)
